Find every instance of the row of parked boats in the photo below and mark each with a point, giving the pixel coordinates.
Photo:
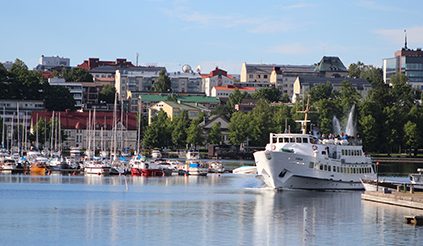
(37, 164)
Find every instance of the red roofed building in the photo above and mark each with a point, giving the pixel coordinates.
(227, 90)
(75, 127)
(217, 77)
(92, 63)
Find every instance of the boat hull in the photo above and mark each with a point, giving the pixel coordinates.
(283, 170)
(38, 170)
(97, 171)
(151, 172)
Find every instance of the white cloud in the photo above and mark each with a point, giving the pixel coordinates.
(250, 24)
(299, 5)
(414, 35)
(289, 49)
(377, 6)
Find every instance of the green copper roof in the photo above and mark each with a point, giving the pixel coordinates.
(330, 64)
(185, 99)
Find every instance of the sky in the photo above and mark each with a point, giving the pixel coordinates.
(223, 33)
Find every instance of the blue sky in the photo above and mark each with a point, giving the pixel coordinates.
(208, 33)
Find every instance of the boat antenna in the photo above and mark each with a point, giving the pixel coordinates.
(306, 120)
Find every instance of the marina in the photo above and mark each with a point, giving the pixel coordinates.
(223, 209)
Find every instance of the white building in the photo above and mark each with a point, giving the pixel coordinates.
(75, 89)
(48, 62)
(185, 82)
(135, 79)
(13, 112)
(217, 77)
(226, 91)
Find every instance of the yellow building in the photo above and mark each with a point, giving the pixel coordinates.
(174, 109)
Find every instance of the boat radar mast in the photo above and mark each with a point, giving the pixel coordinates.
(305, 121)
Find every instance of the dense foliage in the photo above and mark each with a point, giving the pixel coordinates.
(22, 84)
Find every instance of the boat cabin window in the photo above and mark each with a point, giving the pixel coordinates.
(292, 140)
(323, 152)
(298, 140)
(305, 140)
(280, 140)
(286, 140)
(274, 140)
(325, 167)
(329, 169)
(321, 167)
(337, 169)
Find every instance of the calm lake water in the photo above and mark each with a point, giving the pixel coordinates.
(213, 210)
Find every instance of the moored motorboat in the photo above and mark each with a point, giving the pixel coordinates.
(7, 165)
(245, 170)
(97, 167)
(216, 167)
(38, 167)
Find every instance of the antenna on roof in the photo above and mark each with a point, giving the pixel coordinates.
(136, 60)
(405, 42)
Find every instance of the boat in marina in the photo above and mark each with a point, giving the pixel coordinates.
(155, 154)
(245, 170)
(97, 167)
(302, 161)
(39, 167)
(383, 184)
(198, 169)
(216, 167)
(7, 164)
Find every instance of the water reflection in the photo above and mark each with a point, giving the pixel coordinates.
(212, 210)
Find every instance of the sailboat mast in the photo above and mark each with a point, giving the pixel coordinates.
(18, 123)
(139, 124)
(36, 132)
(93, 130)
(2, 128)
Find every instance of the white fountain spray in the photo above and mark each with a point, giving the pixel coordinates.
(336, 126)
(350, 129)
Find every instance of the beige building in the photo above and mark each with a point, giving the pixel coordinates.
(174, 109)
(303, 84)
(256, 72)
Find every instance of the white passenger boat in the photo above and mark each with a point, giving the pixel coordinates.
(301, 161)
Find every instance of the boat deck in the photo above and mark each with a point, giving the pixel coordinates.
(403, 199)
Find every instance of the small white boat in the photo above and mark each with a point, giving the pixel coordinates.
(7, 165)
(245, 170)
(155, 154)
(216, 167)
(97, 167)
(193, 155)
(195, 168)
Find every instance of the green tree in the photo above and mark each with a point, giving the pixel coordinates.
(107, 94)
(163, 83)
(282, 115)
(58, 98)
(179, 130)
(411, 135)
(76, 74)
(239, 128)
(355, 69)
(195, 133)
(370, 133)
(214, 136)
(158, 133)
(321, 91)
(235, 98)
(261, 123)
(269, 94)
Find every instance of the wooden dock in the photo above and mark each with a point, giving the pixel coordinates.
(403, 199)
